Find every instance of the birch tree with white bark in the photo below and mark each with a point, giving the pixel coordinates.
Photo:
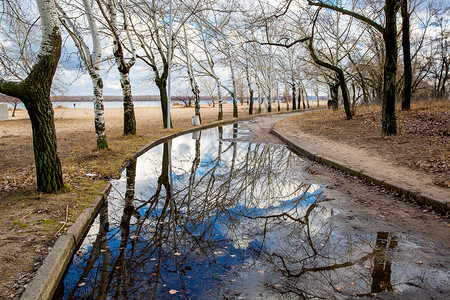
(91, 59)
(123, 65)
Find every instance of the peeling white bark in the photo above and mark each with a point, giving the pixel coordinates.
(92, 62)
(50, 25)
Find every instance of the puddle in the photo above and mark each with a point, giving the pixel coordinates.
(206, 217)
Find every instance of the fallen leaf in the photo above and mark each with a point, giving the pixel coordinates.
(233, 280)
(261, 271)
(82, 283)
(173, 292)
(177, 254)
(233, 255)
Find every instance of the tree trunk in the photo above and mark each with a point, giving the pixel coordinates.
(99, 112)
(345, 95)
(389, 31)
(294, 107)
(334, 92)
(406, 45)
(300, 97)
(34, 92)
(278, 99)
(259, 100)
(48, 166)
(389, 123)
(14, 109)
(219, 95)
(129, 119)
(250, 108)
(161, 83)
(233, 80)
(340, 77)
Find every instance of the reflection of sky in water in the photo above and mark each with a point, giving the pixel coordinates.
(239, 225)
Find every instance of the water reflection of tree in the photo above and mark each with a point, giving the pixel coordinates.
(319, 274)
(245, 191)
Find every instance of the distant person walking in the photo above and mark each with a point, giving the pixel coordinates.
(74, 105)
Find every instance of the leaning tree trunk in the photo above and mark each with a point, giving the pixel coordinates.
(340, 77)
(129, 119)
(389, 123)
(34, 92)
(406, 45)
(97, 83)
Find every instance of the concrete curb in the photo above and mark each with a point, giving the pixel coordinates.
(49, 274)
(416, 195)
(47, 278)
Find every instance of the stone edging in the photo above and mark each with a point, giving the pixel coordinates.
(417, 196)
(49, 274)
(47, 278)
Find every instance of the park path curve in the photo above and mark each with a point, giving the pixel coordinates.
(368, 166)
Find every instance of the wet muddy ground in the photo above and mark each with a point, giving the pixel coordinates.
(292, 228)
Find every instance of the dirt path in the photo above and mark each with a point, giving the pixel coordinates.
(361, 208)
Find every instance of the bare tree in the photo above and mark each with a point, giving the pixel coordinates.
(124, 66)
(389, 32)
(150, 25)
(190, 70)
(406, 45)
(92, 62)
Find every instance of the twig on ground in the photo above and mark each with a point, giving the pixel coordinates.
(27, 215)
(65, 221)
